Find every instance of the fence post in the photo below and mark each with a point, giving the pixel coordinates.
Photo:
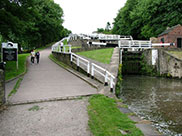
(150, 44)
(129, 43)
(70, 49)
(139, 44)
(77, 62)
(71, 58)
(92, 71)
(111, 84)
(64, 48)
(88, 69)
(106, 77)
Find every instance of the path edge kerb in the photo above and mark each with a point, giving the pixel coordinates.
(49, 100)
(73, 72)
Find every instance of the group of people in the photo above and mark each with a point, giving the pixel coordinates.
(35, 55)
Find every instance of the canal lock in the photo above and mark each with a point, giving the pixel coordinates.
(131, 62)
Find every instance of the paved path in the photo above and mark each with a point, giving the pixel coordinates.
(46, 81)
(59, 118)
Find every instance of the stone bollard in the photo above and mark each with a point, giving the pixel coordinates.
(2, 87)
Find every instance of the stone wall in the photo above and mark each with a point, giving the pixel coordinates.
(65, 58)
(169, 64)
(79, 42)
(166, 64)
(2, 89)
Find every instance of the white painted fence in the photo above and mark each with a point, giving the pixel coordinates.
(59, 47)
(108, 77)
(140, 44)
(95, 70)
(79, 60)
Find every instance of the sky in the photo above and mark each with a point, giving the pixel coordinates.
(85, 16)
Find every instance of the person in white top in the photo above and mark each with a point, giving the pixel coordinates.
(32, 56)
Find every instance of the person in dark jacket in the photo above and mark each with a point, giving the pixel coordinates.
(37, 55)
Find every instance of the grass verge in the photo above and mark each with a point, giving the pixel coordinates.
(105, 119)
(17, 85)
(101, 55)
(10, 68)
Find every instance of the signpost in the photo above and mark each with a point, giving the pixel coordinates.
(9, 52)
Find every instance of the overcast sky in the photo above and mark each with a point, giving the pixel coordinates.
(85, 16)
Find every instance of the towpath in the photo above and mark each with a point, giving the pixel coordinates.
(42, 86)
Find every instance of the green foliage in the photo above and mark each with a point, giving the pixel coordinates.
(147, 18)
(32, 24)
(65, 42)
(147, 69)
(118, 84)
(107, 30)
(105, 119)
(101, 55)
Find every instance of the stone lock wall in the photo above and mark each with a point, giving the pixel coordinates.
(166, 64)
(2, 89)
(170, 65)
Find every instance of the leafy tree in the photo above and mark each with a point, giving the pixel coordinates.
(147, 18)
(31, 23)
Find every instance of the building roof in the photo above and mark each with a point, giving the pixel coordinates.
(168, 30)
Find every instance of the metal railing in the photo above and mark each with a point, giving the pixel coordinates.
(79, 60)
(108, 77)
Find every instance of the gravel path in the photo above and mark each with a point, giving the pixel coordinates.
(59, 118)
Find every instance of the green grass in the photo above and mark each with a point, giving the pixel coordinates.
(10, 68)
(177, 54)
(72, 47)
(105, 119)
(35, 108)
(101, 55)
(17, 85)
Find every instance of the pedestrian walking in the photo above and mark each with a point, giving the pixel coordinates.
(37, 55)
(32, 56)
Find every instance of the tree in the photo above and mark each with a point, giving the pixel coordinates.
(31, 23)
(147, 18)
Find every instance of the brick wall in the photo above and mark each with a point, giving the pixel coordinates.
(172, 36)
(2, 91)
